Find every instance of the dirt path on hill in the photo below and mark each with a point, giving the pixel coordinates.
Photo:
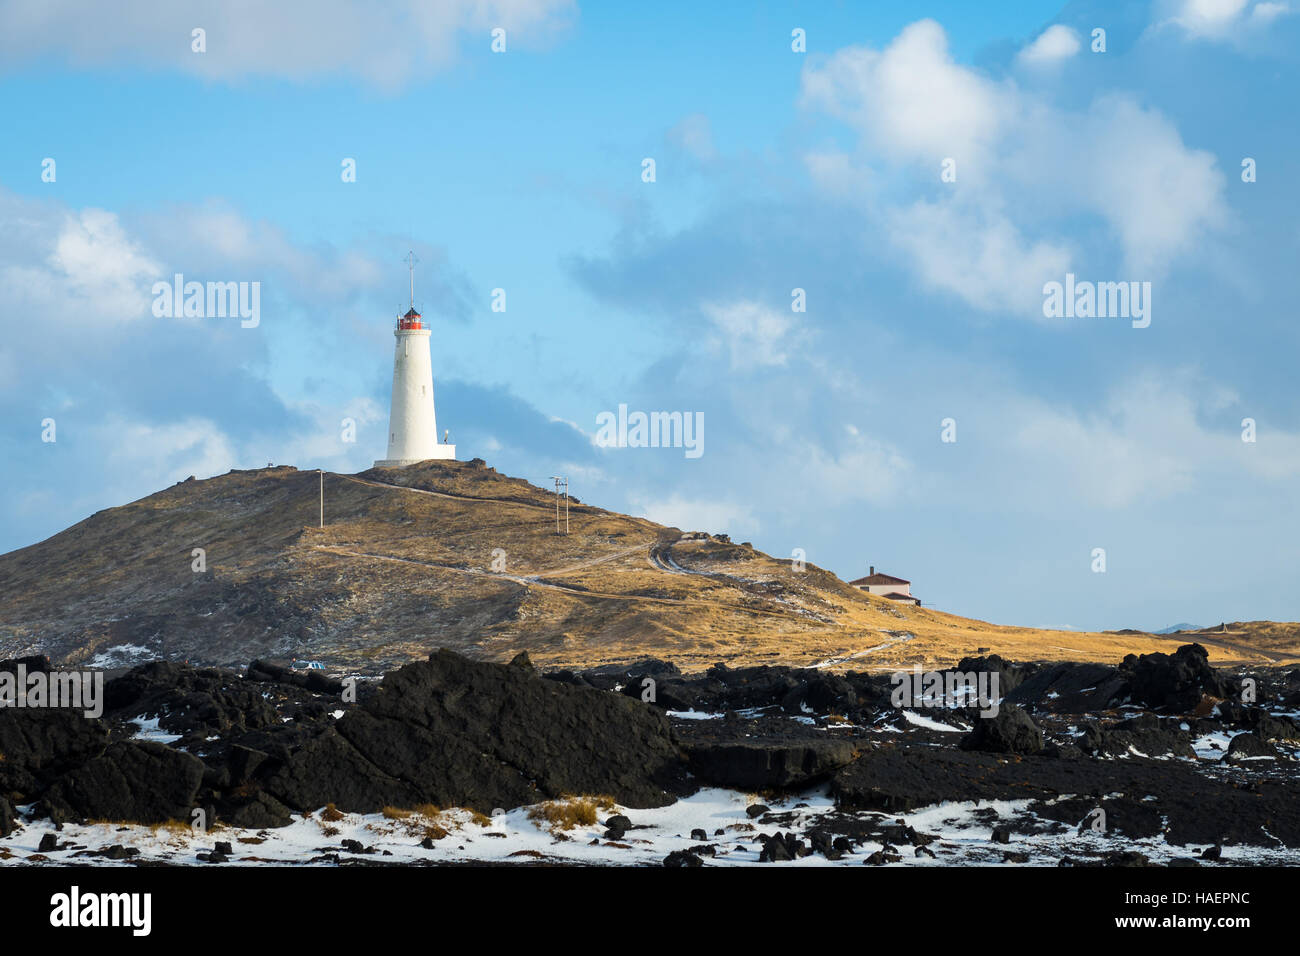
(1247, 652)
(567, 569)
(571, 591)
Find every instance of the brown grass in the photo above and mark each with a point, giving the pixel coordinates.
(331, 813)
(569, 812)
(598, 600)
(171, 826)
(422, 820)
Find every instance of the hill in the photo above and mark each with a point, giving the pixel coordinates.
(456, 555)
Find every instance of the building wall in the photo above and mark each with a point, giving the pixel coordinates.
(887, 588)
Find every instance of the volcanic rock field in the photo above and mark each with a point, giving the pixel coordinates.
(1160, 760)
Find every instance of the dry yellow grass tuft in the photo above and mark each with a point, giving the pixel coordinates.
(434, 831)
(423, 820)
(331, 813)
(569, 812)
(173, 827)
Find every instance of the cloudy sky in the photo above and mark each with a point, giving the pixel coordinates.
(919, 173)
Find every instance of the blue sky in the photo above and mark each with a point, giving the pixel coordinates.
(775, 170)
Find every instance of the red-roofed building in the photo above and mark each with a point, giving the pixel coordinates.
(887, 586)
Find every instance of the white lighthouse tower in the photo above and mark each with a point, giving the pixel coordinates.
(412, 426)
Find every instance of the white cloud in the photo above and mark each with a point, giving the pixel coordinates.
(1025, 170)
(85, 266)
(166, 452)
(75, 267)
(698, 514)
(833, 172)
(694, 134)
(215, 236)
(977, 254)
(1268, 12)
(858, 468)
(321, 444)
(1148, 441)
(753, 334)
(911, 100)
(1156, 193)
(386, 44)
(1209, 17)
(1058, 42)
(1220, 20)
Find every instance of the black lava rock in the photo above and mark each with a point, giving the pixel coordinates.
(1175, 681)
(682, 858)
(455, 732)
(130, 782)
(1010, 731)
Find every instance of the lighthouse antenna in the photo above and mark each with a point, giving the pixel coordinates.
(411, 261)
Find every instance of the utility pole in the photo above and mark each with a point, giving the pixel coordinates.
(561, 481)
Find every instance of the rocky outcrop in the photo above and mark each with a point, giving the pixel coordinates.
(1146, 735)
(255, 750)
(1071, 688)
(7, 819)
(1150, 796)
(139, 782)
(773, 764)
(455, 732)
(1174, 682)
(1009, 731)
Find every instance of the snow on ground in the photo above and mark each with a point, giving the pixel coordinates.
(122, 655)
(963, 830)
(150, 731)
(929, 723)
(1212, 746)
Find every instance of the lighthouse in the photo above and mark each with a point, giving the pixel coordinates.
(412, 426)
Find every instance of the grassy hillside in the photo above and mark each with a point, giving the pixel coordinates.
(411, 559)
